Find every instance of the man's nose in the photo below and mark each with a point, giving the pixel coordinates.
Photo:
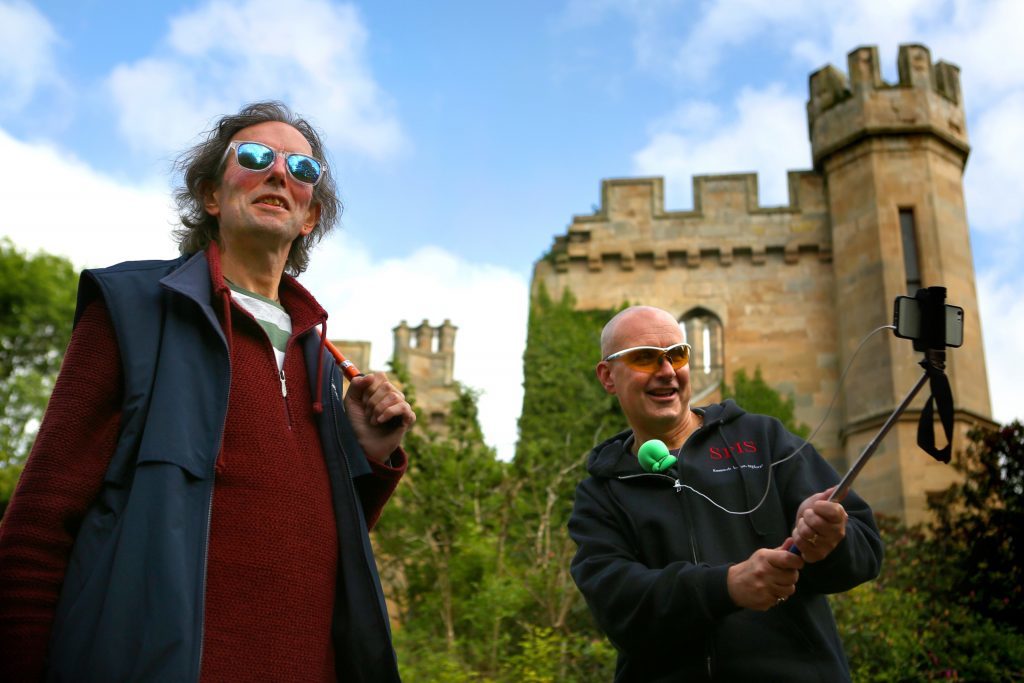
(664, 366)
(278, 170)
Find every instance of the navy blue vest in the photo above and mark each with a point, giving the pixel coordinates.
(131, 607)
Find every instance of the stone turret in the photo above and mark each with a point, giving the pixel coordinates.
(430, 362)
(926, 101)
(892, 157)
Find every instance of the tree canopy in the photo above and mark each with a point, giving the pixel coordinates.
(37, 302)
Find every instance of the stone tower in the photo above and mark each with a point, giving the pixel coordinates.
(892, 158)
(428, 354)
(793, 289)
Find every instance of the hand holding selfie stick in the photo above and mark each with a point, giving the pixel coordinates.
(930, 336)
(349, 369)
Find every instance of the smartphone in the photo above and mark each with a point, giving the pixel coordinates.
(906, 318)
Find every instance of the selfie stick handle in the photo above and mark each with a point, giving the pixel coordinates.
(351, 371)
(347, 366)
(936, 359)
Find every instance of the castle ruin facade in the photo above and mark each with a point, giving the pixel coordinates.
(794, 289)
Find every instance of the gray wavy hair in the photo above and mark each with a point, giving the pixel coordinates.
(201, 169)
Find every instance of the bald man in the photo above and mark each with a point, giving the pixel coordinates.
(686, 564)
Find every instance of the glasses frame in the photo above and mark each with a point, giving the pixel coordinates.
(236, 144)
(663, 354)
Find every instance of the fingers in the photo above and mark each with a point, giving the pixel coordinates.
(820, 527)
(764, 580)
(381, 400)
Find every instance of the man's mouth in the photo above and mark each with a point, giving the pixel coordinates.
(663, 392)
(272, 201)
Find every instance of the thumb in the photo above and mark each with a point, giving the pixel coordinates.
(357, 386)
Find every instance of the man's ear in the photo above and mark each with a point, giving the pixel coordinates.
(211, 199)
(312, 218)
(604, 375)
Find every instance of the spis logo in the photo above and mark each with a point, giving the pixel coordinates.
(735, 449)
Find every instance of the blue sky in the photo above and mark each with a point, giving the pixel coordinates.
(465, 136)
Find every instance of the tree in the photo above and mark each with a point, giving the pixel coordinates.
(980, 523)
(566, 412)
(37, 302)
(440, 543)
(948, 601)
(757, 396)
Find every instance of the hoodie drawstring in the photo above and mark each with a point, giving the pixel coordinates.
(318, 406)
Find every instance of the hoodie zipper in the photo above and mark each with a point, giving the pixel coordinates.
(677, 484)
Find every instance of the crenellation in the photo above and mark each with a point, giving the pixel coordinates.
(947, 81)
(864, 67)
(828, 87)
(914, 65)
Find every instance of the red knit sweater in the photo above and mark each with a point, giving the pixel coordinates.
(271, 569)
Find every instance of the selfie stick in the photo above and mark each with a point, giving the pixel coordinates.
(351, 371)
(935, 359)
(347, 366)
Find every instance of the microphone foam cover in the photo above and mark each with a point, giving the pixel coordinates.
(655, 457)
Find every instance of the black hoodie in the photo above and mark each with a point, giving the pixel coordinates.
(654, 555)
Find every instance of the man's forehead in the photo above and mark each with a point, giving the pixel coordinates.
(641, 327)
(276, 134)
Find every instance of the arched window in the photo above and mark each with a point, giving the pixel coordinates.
(702, 330)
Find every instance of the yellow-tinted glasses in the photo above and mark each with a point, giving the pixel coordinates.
(648, 358)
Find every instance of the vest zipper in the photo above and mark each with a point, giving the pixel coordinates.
(206, 541)
(354, 512)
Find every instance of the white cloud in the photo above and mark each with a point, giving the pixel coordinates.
(995, 174)
(95, 220)
(308, 53)
(61, 205)
(368, 297)
(1002, 318)
(27, 61)
(765, 133)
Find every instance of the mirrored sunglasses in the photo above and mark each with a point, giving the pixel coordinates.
(255, 156)
(648, 358)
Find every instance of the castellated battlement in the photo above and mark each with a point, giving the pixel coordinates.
(427, 352)
(632, 230)
(842, 112)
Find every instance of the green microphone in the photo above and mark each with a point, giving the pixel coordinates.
(654, 456)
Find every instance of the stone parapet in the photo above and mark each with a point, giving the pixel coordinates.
(842, 111)
(632, 230)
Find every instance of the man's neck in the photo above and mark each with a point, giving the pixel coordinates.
(674, 437)
(257, 271)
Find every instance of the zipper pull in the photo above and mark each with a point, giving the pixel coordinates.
(284, 387)
(678, 486)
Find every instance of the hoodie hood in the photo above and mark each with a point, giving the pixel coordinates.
(614, 457)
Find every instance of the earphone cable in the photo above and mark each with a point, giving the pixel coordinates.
(768, 486)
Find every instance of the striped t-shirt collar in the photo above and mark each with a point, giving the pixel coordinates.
(270, 315)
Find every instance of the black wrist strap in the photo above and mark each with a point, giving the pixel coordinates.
(941, 398)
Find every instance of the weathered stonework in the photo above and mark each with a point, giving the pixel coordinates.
(428, 355)
(797, 287)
